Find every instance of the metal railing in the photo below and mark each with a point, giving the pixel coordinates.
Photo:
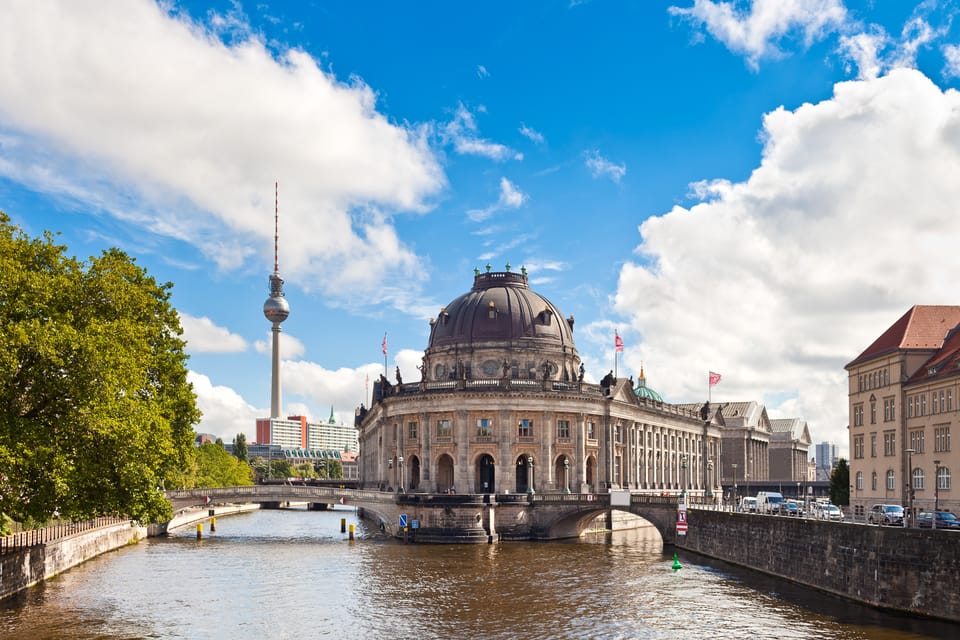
(37, 537)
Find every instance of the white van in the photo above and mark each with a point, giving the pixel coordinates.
(769, 502)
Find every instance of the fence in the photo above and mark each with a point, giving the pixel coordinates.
(35, 537)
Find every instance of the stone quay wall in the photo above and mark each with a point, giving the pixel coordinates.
(23, 568)
(907, 570)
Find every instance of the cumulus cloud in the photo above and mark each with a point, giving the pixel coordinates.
(462, 133)
(171, 126)
(510, 198)
(225, 412)
(532, 134)
(203, 336)
(779, 281)
(290, 347)
(601, 167)
(755, 32)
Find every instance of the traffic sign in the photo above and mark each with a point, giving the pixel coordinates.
(414, 524)
(403, 520)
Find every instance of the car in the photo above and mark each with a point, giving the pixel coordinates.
(791, 508)
(831, 512)
(945, 520)
(886, 514)
(748, 504)
(769, 502)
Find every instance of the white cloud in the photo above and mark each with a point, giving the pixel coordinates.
(756, 32)
(531, 133)
(203, 336)
(155, 120)
(225, 412)
(510, 198)
(864, 51)
(951, 53)
(462, 133)
(482, 72)
(781, 280)
(601, 167)
(290, 348)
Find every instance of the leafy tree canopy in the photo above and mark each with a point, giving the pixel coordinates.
(96, 413)
(217, 468)
(240, 447)
(840, 483)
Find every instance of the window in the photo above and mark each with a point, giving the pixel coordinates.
(873, 481)
(618, 434)
(563, 428)
(859, 480)
(910, 407)
(592, 432)
(873, 446)
(412, 430)
(949, 399)
(943, 478)
(484, 427)
(891, 480)
(858, 446)
(941, 439)
(889, 443)
(935, 403)
(443, 428)
(525, 428)
(858, 415)
(873, 412)
(396, 428)
(918, 479)
(923, 405)
(916, 440)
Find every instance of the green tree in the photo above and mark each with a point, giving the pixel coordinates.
(217, 468)
(334, 469)
(305, 470)
(240, 447)
(96, 413)
(840, 483)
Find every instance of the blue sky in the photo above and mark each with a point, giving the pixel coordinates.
(754, 188)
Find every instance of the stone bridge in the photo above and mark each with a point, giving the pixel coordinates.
(456, 518)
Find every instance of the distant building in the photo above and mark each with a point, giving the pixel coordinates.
(826, 459)
(789, 449)
(289, 433)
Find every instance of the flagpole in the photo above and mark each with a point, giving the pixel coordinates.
(384, 354)
(709, 388)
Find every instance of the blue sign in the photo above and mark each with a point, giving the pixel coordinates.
(403, 520)
(414, 524)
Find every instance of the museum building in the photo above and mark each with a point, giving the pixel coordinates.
(502, 407)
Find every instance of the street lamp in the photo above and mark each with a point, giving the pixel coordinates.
(936, 491)
(566, 475)
(709, 477)
(400, 471)
(530, 474)
(909, 495)
(389, 468)
(735, 503)
(683, 473)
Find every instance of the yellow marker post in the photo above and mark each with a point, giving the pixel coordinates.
(343, 525)
(213, 525)
(351, 532)
(199, 531)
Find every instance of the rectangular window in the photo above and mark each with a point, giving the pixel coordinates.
(563, 429)
(889, 443)
(873, 481)
(859, 480)
(412, 430)
(591, 431)
(525, 428)
(943, 401)
(484, 427)
(886, 410)
(858, 447)
(873, 445)
(617, 434)
(941, 439)
(923, 405)
(873, 413)
(949, 399)
(935, 403)
(891, 480)
(910, 407)
(443, 429)
(916, 440)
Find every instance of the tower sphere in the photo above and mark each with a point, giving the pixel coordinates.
(276, 309)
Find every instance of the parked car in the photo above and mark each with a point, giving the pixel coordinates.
(886, 514)
(831, 512)
(945, 520)
(791, 508)
(748, 504)
(769, 502)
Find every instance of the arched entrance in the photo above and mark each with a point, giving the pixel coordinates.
(414, 473)
(561, 471)
(444, 473)
(525, 474)
(485, 475)
(590, 473)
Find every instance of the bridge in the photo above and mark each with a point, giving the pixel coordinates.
(455, 518)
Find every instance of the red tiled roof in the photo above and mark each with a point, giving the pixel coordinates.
(922, 327)
(945, 363)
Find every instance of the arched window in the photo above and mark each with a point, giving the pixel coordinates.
(943, 478)
(859, 480)
(891, 480)
(918, 479)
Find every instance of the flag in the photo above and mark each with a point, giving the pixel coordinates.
(617, 342)
(383, 347)
(714, 378)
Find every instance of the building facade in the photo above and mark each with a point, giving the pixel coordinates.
(502, 407)
(903, 403)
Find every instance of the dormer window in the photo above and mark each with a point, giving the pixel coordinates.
(492, 311)
(546, 316)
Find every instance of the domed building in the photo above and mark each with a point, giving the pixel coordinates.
(502, 407)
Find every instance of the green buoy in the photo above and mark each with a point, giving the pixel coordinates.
(676, 563)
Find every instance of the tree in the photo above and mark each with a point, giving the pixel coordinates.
(96, 413)
(217, 468)
(240, 447)
(840, 483)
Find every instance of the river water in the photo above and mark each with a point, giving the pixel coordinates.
(292, 574)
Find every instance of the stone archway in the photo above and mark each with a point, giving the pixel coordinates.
(485, 475)
(591, 468)
(561, 473)
(414, 466)
(524, 482)
(444, 473)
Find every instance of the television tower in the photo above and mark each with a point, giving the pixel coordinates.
(276, 309)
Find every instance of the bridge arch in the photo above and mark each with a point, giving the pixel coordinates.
(572, 523)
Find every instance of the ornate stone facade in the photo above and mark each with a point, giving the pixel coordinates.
(502, 408)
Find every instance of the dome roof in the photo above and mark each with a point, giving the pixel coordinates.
(501, 310)
(643, 391)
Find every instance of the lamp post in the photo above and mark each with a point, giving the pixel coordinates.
(936, 491)
(400, 471)
(683, 473)
(709, 477)
(909, 496)
(736, 504)
(530, 474)
(389, 469)
(566, 475)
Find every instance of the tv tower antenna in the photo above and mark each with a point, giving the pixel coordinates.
(276, 309)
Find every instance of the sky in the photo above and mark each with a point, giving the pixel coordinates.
(756, 188)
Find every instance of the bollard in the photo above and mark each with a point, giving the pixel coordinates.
(199, 531)
(343, 525)
(213, 525)
(351, 532)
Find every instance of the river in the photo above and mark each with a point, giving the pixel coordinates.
(292, 574)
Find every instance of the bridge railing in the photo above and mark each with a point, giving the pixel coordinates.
(266, 492)
(37, 537)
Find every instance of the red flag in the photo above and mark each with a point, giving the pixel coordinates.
(714, 378)
(383, 347)
(617, 341)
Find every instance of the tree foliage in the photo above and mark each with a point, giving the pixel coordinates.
(217, 468)
(96, 412)
(840, 483)
(240, 447)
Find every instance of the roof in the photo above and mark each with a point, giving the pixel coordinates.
(922, 327)
(945, 363)
(643, 391)
(791, 429)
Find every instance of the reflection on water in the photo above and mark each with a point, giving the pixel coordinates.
(292, 574)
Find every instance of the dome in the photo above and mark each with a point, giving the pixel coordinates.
(501, 320)
(276, 309)
(645, 392)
